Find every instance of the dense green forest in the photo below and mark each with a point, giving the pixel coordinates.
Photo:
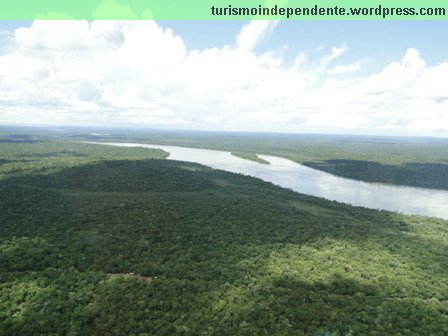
(98, 240)
(250, 156)
(412, 161)
(420, 162)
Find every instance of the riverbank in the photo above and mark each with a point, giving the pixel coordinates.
(115, 245)
(409, 161)
(289, 174)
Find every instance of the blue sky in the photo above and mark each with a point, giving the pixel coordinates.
(378, 41)
(384, 40)
(363, 77)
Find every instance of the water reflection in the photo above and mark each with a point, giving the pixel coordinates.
(310, 181)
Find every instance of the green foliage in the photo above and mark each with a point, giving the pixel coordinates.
(413, 161)
(213, 253)
(47, 157)
(421, 162)
(113, 176)
(250, 156)
(427, 175)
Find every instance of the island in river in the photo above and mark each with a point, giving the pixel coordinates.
(250, 156)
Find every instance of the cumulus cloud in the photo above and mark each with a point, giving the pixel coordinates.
(344, 68)
(254, 32)
(335, 53)
(136, 73)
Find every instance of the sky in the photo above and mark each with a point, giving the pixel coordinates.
(350, 77)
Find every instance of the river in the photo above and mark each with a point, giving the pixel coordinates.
(289, 174)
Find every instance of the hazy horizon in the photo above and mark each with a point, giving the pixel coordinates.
(90, 128)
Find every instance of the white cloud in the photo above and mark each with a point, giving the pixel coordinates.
(344, 68)
(335, 53)
(136, 73)
(254, 32)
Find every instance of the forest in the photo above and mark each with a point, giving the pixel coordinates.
(99, 240)
(411, 161)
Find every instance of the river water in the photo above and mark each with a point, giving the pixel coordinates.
(289, 174)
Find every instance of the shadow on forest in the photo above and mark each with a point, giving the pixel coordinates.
(234, 211)
(54, 154)
(4, 161)
(428, 175)
(121, 176)
(220, 255)
(18, 141)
